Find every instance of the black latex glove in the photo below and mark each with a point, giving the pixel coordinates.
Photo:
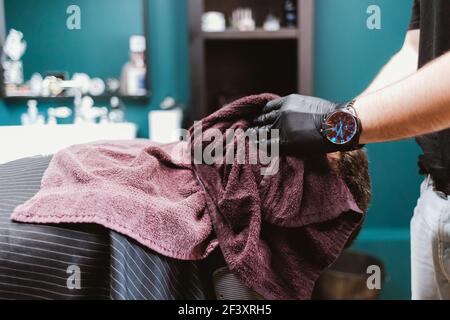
(299, 121)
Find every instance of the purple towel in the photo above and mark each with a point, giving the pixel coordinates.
(277, 232)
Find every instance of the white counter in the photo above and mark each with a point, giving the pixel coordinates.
(25, 141)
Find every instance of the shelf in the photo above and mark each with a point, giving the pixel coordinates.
(229, 64)
(258, 34)
(69, 98)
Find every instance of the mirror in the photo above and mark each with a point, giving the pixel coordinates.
(96, 47)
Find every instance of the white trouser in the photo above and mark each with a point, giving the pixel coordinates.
(430, 246)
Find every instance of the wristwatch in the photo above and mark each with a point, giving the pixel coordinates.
(342, 127)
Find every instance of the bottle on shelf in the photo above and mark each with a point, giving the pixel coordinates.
(290, 13)
(134, 73)
(32, 116)
(117, 113)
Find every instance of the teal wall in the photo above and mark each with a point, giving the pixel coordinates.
(168, 50)
(348, 56)
(51, 46)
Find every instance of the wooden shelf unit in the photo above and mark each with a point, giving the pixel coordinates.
(64, 98)
(230, 64)
(258, 34)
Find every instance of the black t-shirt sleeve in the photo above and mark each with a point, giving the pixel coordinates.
(415, 18)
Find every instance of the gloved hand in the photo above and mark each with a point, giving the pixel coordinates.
(299, 120)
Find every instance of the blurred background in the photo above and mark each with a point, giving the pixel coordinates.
(113, 69)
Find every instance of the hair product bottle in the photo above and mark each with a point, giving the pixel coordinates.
(134, 73)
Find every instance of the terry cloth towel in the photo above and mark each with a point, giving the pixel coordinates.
(277, 232)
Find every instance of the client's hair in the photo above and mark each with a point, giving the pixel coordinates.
(353, 168)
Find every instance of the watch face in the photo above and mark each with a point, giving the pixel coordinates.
(340, 127)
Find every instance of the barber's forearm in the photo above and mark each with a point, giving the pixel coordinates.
(417, 105)
(402, 65)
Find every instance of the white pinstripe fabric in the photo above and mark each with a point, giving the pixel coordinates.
(34, 258)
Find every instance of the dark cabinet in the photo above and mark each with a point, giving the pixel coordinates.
(231, 64)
